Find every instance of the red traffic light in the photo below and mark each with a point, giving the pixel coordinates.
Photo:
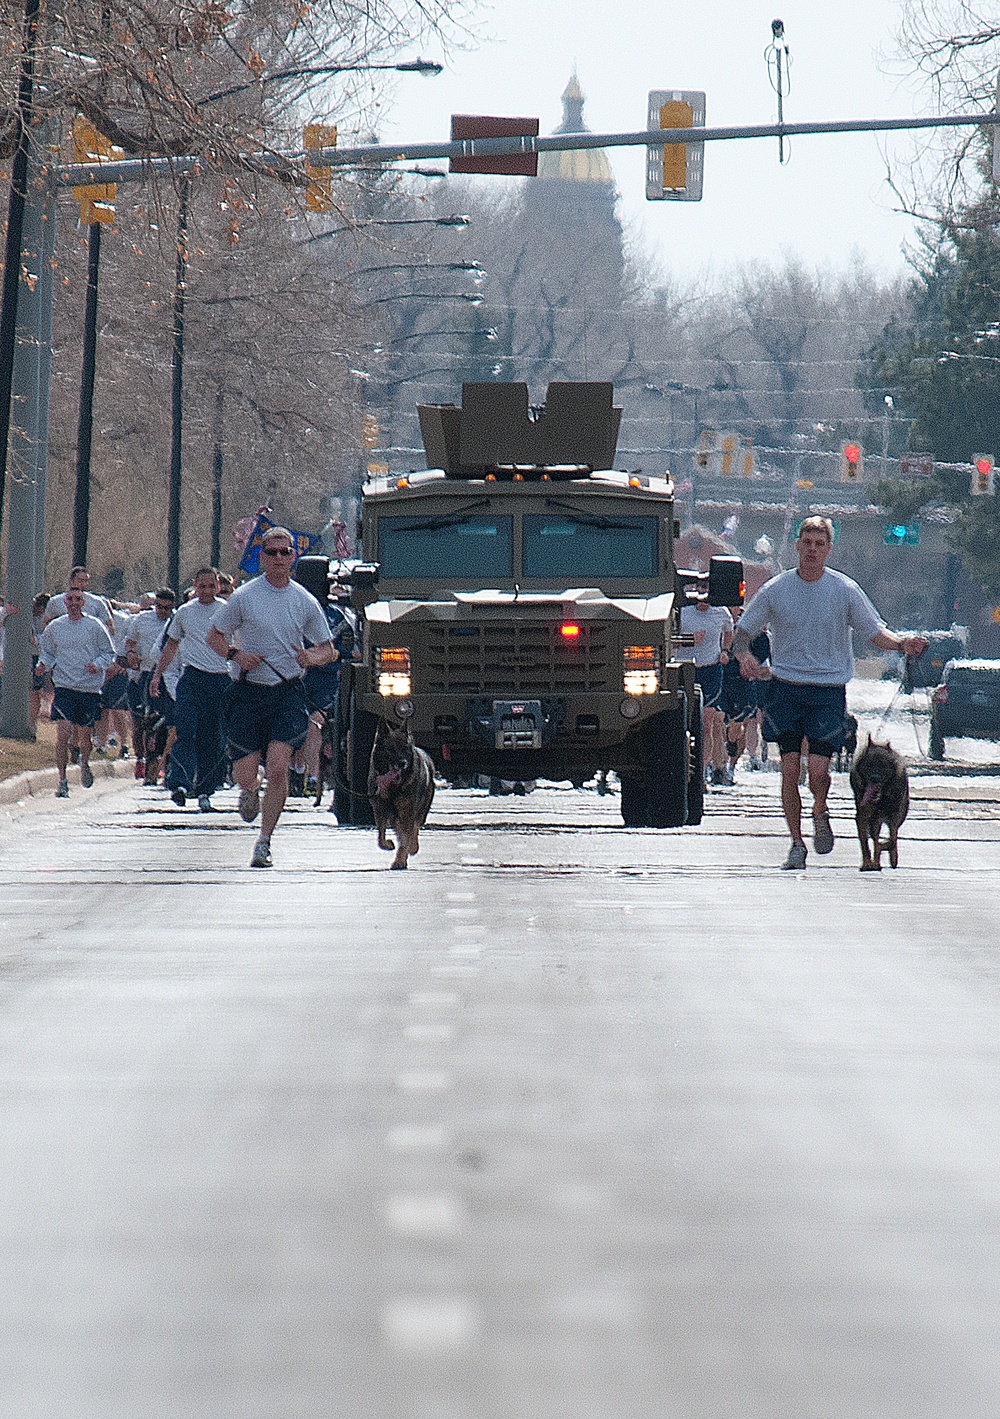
(852, 452)
(983, 466)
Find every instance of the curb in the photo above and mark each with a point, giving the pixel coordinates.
(43, 782)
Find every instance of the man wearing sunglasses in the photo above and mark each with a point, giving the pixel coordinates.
(270, 619)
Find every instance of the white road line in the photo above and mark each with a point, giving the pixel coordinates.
(414, 1081)
(430, 1034)
(431, 998)
(463, 913)
(429, 1214)
(422, 1325)
(455, 970)
(460, 896)
(417, 1140)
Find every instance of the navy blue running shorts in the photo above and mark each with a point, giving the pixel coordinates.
(258, 715)
(77, 706)
(709, 677)
(817, 713)
(115, 692)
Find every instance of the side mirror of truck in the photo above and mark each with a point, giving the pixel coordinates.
(314, 574)
(725, 581)
(364, 576)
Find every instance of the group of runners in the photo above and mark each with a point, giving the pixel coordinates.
(228, 683)
(732, 716)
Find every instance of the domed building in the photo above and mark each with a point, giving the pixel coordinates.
(569, 300)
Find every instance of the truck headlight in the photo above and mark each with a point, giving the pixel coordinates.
(641, 670)
(392, 666)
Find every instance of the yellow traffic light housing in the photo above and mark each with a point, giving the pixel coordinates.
(97, 200)
(674, 171)
(319, 193)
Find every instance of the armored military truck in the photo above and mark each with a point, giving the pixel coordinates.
(520, 607)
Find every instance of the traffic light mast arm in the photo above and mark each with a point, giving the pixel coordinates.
(136, 168)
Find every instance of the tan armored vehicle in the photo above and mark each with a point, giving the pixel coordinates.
(519, 608)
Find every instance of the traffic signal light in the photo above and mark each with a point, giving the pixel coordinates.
(981, 484)
(319, 193)
(97, 201)
(852, 462)
(901, 534)
(675, 171)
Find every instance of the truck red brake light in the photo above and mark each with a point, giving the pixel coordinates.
(569, 631)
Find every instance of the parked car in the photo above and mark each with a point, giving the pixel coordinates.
(966, 704)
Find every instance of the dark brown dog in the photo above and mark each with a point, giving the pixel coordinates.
(881, 796)
(400, 790)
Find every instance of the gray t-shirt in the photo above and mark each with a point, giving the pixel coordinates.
(715, 622)
(147, 631)
(68, 647)
(274, 622)
(189, 628)
(810, 624)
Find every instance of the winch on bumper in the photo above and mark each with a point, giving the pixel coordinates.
(514, 724)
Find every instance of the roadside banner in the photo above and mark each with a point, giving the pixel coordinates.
(250, 561)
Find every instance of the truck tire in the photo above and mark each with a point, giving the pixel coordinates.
(360, 738)
(935, 747)
(696, 777)
(667, 768)
(633, 802)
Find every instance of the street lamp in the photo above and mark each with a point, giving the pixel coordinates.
(454, 220)
(429, 296)
(427, 67)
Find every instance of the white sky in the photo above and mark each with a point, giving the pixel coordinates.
(830, 202)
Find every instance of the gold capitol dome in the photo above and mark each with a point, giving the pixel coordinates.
(586, 165)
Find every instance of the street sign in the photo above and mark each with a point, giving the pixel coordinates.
(469, 125)
(674, 172)
(916, 465)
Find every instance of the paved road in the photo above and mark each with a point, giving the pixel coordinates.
(567, 1122)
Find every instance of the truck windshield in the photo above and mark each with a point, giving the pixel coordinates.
(561, 544)
(466, 547)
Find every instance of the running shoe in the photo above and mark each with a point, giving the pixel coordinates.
(63, 790)
(123, 752)
(140, 769)
(261, 854)
(205, 803)
(86, 776)
(718, 778)
(796, 858)
(179, 797)
(312, 787)
(822, 834)
(249, 804)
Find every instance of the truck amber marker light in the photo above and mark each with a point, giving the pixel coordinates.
(393, 666)
(640, 670)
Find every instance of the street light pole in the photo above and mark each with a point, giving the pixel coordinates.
(85, 421)
(177, 393)
(15, 223)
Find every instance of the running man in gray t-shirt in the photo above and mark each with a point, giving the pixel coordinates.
(809, 614)
(267, 718)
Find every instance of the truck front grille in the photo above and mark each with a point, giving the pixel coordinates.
(519, 659)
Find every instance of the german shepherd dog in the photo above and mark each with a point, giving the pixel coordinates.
(400, 790)
(881, 796)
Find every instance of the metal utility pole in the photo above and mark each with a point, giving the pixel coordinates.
(85, 424)
(177, 393)
(215, 556)
(15, 222)
(27, 438)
